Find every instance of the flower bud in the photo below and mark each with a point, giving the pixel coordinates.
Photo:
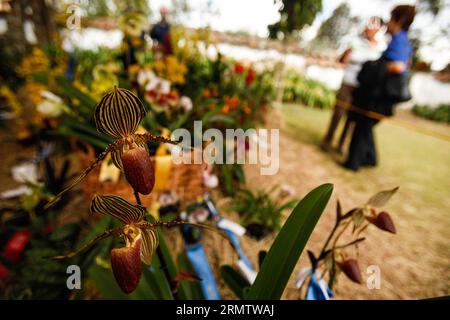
(383, 221)
(351, 270)
(139, 170)
(126, 266)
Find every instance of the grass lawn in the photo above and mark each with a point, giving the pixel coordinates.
(419, 164)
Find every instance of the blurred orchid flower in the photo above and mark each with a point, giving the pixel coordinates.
(52, 106)
(145, 76)
(141, 238)
(186, 103)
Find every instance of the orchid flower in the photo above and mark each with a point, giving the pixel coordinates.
(141, 238)
(119, 114)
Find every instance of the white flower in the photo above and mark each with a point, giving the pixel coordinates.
(26, 172)
(50, 109)
(164, 86)
(160, 85)
(186, 103)
(52, 106)
(145, 76)
(47, 95)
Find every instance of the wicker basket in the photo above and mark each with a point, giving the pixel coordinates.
(185, 179)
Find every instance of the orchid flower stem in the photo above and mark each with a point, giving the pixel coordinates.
(138, 199)
(352, 243)
(340, 234)
(333, 231)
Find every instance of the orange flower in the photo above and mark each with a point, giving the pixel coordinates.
(233, 102)
(226, 109)
(206, 93)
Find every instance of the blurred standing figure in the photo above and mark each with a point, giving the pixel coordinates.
(161, 33)
(382, 84)
(363, 48)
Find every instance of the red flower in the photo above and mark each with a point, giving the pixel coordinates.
(4, 272)
(251, 75)
(16, 244)
(238, 68)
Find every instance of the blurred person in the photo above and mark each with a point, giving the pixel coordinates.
(161, 33)
(382, 84)
(363, 48)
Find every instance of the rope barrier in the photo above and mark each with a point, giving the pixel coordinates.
(401, 123)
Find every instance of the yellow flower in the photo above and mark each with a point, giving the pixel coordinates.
(36, 62)
(133, 70)
(11, 99)
(171, 69)
(33, 91)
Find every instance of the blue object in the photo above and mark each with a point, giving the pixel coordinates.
(316, 291)
(197, 257)
(212, 208)
(237, 246)
(231, 235)
(399, 49)
(70, 70)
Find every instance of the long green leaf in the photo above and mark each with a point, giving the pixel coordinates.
(282, 257)
(194, 288)
(234, 280)
(156, 278)
(171, 266)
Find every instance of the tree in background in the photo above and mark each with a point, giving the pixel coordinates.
(423, 37)
(333, 29)
(433, 6)
(294, 16)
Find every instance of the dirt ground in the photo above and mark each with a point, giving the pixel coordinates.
(415, 263)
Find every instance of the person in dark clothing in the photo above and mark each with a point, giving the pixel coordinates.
(161, 33)
(361, 49)
(375, 92)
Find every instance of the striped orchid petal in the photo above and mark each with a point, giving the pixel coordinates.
(119, 113)
(149, 244)
(118, 208)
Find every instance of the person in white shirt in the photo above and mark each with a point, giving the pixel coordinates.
(363, 48)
